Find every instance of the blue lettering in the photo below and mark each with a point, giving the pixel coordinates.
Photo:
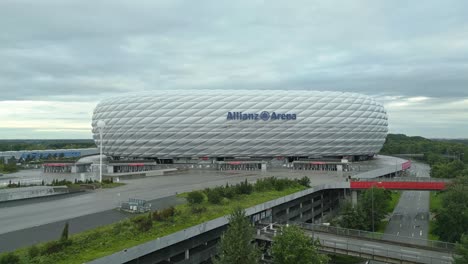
(265, 116)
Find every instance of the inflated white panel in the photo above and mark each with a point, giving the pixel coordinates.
(167, 124)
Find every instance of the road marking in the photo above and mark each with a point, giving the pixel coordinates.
(397, 233)
(400, 225)
(412, 234)
(420, 233)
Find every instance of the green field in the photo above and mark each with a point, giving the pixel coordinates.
(112, 238)
(434, 204)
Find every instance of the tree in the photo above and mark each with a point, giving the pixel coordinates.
(9, 258)
(462, 250)
(292, 246)
(195, 197)
(236, 245)
(353, 218)
(64, 236)
(374, 204)
(452, 217)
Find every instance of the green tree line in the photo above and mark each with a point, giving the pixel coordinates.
(16, 145)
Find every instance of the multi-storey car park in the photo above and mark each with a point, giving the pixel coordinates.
(252, 129)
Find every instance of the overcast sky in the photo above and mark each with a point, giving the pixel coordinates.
(59, 58)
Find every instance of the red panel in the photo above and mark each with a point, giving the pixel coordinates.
(399, 185)
(234, 163)
(136, 164)
(406, 165)
(317, 162)
(57, 164)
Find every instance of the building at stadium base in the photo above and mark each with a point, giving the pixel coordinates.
(249, 129)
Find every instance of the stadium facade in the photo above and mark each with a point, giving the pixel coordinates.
(218, 125)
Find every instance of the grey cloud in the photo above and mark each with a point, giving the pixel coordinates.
(86, 50)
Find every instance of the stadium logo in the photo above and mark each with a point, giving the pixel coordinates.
(264, 115)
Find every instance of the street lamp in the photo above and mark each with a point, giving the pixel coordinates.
(372, 199)
(100, 125)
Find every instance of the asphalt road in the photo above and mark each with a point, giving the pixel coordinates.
(411, 215)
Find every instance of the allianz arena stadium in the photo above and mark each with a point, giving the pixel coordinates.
(221, 125)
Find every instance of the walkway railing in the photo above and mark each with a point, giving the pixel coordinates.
(440, 245)
(404, 179)
(368, 251)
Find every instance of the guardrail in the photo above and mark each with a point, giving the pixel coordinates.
(434, 244)
(404, 179)
(365, 251)
(378, 253)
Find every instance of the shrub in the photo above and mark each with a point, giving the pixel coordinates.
(304, 181)
(167, 213)
(214, 197)
(143, 223)
(119, 227)
(9, 258)
(52, 247)
(197, 209)
(281, 184)
(229, 192)
(157, 216)
(33, 251)
(244, 188)
(265, 184)
(195, 197)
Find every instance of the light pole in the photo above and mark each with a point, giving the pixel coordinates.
(372, 197)
(100, 125)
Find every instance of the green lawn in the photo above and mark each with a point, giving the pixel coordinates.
(435, 201)
(394, 201)
(434, 204)
(115, 237)
(112, 185)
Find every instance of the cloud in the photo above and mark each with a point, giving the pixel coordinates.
(75, 51)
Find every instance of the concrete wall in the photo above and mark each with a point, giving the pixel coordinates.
(30, 192)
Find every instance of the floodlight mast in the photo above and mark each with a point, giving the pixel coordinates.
(100, 125)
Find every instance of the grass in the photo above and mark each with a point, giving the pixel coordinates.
(435, 203)
(112, 238)
(380, 228)
(395, 198)
(112, 185)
